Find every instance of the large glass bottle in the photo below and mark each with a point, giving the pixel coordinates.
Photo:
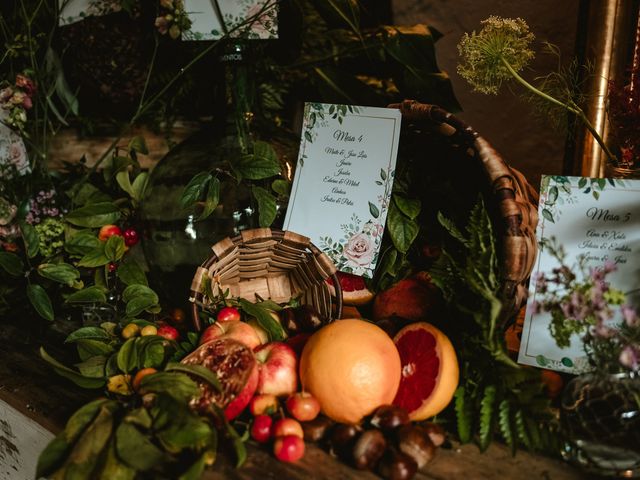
(175, 242)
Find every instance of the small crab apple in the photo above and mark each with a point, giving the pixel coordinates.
(109, 231)
(288, 448)
(149, 330)
(130, 330)
(261, 428)
(168, 332)
(287, 426)
(140, 375)
(303, 406)
(263, 403)
(228, 314)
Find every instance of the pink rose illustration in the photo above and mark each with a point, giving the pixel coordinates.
(261, 22)
(359, 249)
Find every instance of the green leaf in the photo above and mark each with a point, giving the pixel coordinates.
(408, 206)
(383, 174)
(94, 215)
(267, 208)
(195, 471)
(95, 258)
(265, 320)
(53, 66)
(281, 187)
(11, 263)
(375, 213)
(53, 456)
(128, 356)
(463, 415)
(82, 418)
(212, 199)
(504, 422)
(113, 468)
(135, 448)
(66, 372)
(124, 181)
(93, 294)
(130, 273)
(307, 136)
(487, 412)
(553, 196)
(582, 182)
(403, 230)
(177, 385)
(93, 367)
(546, 213)
(88, 333)
(139, 186)
(140, 417)
(236, 440)
(152, 355)
(114, 248)
(40, 301)
(262, 163)
(88, 348)
(139, 305)
(83, 459)
(59, 272)
(194, 189)
(31, 239)
(138, 290)
(139, 145)
(199, 371)
(82, 243)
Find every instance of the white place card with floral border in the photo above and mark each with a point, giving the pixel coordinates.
(593, 219)
(254, 19)
(342, 185)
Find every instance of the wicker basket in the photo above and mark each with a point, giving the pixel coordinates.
(514, 200)
(271, 264)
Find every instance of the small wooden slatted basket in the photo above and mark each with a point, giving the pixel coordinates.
(267, 264)
(511, 196)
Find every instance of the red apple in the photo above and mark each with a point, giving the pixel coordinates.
(287, 426)
(261, 428)
(109, 231)
(168, 332)
(263, 404)
(228, 314)
(262, 333)
(278, 369)
(289, 448)
(235, 330)
(303, 406)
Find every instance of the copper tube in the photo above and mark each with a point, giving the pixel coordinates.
(611, 29)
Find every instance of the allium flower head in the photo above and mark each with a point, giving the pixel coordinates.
(484, 54)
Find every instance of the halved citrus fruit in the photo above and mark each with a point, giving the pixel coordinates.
(429, 370)
(354, 289)
(351, 367)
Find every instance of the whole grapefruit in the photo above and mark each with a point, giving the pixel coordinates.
(429, 370)
(352, 367)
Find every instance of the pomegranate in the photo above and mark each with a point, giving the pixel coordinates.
(237, 370)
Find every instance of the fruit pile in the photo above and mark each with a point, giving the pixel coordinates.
(347, 385)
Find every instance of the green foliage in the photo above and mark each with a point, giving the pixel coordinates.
(265, 320)
(495, 395)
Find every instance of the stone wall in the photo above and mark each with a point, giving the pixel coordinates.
(528, 143)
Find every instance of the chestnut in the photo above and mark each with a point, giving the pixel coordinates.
(342, 439)
(415, 442)
(397, 466)
(389, 417)
(307, 318)
(436, 433)
(316, 430)
(368, 449)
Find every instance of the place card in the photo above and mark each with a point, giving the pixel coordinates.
(598, 219)
(343, 180)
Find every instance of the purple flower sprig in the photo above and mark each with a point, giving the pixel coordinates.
(581, 301)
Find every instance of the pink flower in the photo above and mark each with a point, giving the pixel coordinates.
(359, 249)
(260, 23)
(6, 94)
(629, 357)
(17, 156)
(26, 84)
(630, 315)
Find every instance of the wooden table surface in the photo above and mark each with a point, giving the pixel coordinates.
(30, 386)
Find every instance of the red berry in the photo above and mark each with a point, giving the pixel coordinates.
(108, 231)
(228, 314)
(303, 406)
(287, 426)
(130, 237)
(112, 267)
(288, 448)
(168, 332)
(261, 428)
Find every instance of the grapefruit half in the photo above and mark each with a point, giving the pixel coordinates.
(429, 370)
(354, 289)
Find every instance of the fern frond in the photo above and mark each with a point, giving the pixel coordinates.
(523, 432)
(463, 415)
(487, 415)
(506, 426)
